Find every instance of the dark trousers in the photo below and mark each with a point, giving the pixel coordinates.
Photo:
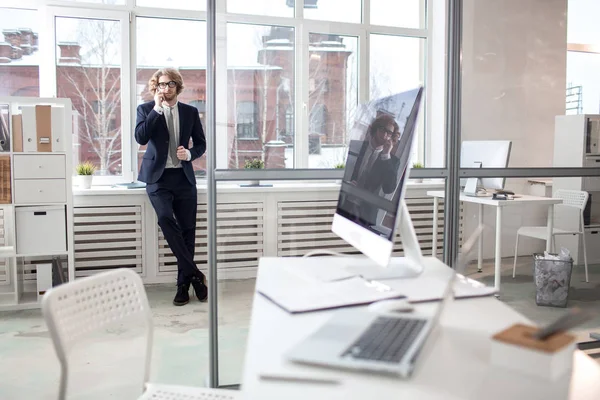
(175, 201)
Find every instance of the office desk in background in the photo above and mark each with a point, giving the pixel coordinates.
(454, 366)
(500, 205)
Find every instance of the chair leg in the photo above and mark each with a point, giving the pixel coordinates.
(585, 257)
(516, 252)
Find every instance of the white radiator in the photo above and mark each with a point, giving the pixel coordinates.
(121, 231)
(240, 242)
(107, 238)
(303, 226)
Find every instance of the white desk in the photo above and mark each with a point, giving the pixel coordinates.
(455, 366)
(499, 204)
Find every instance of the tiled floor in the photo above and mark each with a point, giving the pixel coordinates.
(29, 369)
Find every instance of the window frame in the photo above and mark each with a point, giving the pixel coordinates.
(49, 80)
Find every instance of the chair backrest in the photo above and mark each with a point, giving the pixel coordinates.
(78, 309)
(573, 198)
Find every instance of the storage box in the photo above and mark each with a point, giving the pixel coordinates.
(41, 230)
(515, 349)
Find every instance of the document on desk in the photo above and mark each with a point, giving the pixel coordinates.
(297, 292)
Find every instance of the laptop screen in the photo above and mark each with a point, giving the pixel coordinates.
(377, 164)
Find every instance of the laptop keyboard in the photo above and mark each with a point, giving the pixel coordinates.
(387, 339)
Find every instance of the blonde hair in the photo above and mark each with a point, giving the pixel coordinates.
(171, 73)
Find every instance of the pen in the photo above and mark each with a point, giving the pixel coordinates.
(571, 319)
(297, 379)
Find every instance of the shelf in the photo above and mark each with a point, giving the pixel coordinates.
(46, 254)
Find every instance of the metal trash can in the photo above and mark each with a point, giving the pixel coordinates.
(552, 280)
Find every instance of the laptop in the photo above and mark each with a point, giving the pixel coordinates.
(377, 340)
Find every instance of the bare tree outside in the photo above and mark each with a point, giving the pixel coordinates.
(92, 81)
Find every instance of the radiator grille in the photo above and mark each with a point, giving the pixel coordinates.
(306, 225)
(107, 238)
(239, 238)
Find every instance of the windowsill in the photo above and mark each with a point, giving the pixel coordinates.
(235, 187)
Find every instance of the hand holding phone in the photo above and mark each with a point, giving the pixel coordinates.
(159, 98)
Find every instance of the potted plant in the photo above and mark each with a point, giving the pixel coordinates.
(255, 163)
(339, 165)
(85, 171)
(418, 165)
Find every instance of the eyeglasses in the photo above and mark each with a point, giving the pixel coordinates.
(387, 132)
(163, 85)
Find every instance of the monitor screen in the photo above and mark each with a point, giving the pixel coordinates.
(375, 173)
(485, 154)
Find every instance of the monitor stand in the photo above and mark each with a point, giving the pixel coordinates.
(409, 266)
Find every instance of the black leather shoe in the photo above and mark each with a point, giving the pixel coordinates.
(182, 297)
(199, 284)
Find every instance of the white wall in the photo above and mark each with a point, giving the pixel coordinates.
(514, 79)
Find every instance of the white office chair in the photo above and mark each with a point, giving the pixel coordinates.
(78, 309)
(571, 198)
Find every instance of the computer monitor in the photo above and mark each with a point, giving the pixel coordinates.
(370, 204)
(485, 154)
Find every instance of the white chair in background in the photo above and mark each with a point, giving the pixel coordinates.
(76, 310)
(576, 199)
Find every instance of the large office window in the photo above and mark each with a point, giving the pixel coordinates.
(260, 84)
(19, 53)
(333, 97)
(301, 116)
(88, 71)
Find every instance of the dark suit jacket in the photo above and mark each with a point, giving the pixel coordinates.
(383, 174)
(151, 129)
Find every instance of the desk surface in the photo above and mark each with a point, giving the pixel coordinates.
(455, 366)
(522, 199)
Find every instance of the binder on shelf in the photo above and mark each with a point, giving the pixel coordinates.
(43, 128)
(29, 128)
(58, 128)
(17, 132)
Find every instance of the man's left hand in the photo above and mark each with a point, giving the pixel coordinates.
(182, 153)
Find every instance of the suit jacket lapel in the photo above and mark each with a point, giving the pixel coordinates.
(182, 121)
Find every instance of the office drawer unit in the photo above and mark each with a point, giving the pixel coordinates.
(41, 230)
(32, 191)
(39, 166)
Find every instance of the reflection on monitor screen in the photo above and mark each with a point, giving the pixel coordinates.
(377, 167)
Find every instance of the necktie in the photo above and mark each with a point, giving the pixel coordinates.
(364, 174)
(172, 136)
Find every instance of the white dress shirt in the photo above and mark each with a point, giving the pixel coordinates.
(176, 126)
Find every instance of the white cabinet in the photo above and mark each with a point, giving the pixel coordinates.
(36, 215)
(576, 144)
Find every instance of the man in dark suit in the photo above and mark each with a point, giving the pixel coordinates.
(167, 126)
(374, 167)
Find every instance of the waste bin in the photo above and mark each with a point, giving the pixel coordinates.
(552, 276)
